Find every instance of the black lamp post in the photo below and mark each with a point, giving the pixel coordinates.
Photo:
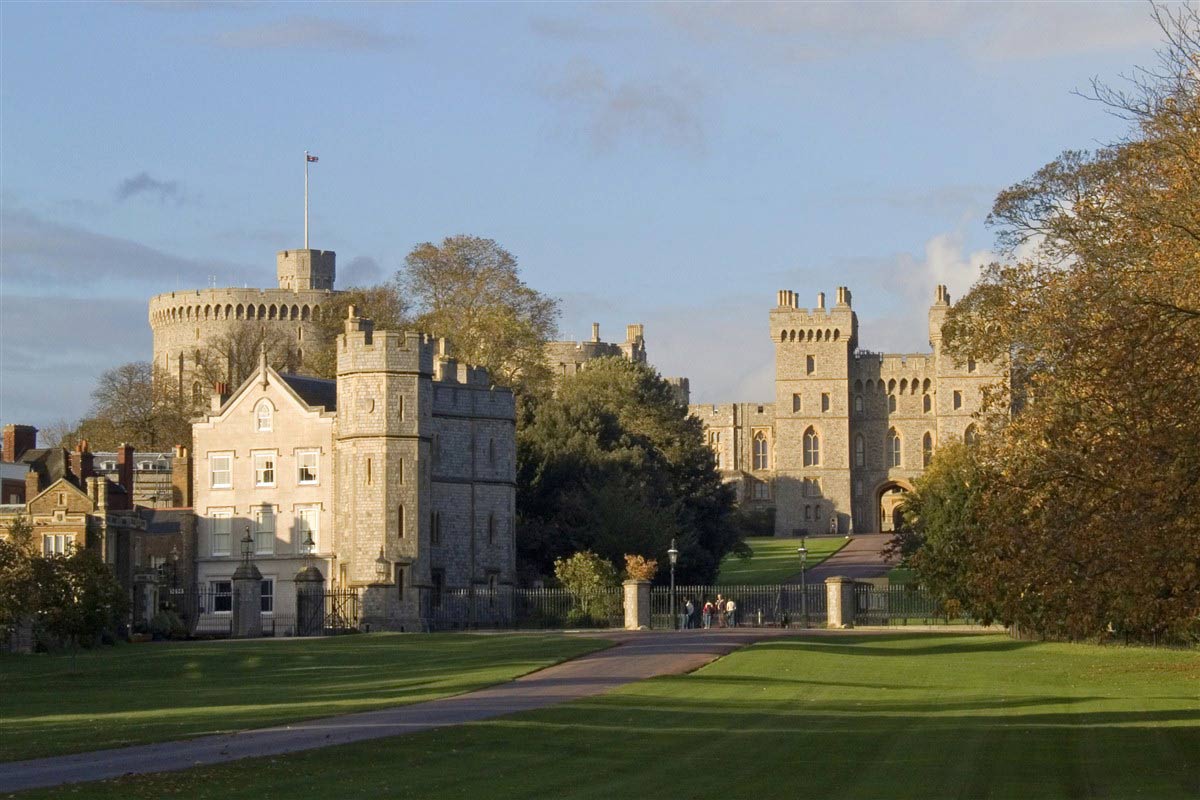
(382, 568)
(802, 551)
(247, 546)
(673, 556)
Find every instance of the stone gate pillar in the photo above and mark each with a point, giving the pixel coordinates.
(839, 600)
(637, 605)
(247, 602)
(310, 602)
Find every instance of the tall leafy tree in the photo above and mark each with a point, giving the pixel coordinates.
(469, 290)
(1091, 518)
(613, 464)
(384, 305)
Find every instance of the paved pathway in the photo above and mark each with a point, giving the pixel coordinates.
(862, 557)
(639, 656)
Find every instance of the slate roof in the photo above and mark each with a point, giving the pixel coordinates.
(317, 392)
(164, 522)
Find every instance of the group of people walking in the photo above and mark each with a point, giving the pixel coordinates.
(719, 613)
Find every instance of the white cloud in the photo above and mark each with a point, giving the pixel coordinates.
(38, 251)
(985, 31)
(663, 110)
(308, 33)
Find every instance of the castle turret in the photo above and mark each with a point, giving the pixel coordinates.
(937, 317)
(305, 270)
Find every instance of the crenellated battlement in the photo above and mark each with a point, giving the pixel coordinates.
(363, 349)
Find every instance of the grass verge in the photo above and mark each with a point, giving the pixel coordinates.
(896, 716)
(775, 560)
(134, 694)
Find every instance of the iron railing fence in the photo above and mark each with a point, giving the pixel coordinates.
(906, 604)
(784, 605)
(507, 607)
(343, 611)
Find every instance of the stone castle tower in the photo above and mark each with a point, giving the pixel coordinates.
(849, 429)
(425, 455)
(186, 323)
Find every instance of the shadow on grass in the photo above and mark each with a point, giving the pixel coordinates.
(915, 644)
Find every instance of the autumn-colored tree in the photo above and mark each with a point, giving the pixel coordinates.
(469, 290)
(1090, 518)
(135, 404)
(383, 305)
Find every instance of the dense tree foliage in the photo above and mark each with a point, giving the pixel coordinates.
(67, 600)
(134, 404)
(469, 290)
(613, 464)
(384, 305)
(1089, 515)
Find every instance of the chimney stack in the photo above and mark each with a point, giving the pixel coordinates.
(125, 469)
(181, 478)
(32, 485)
(820, 301)
(18, 439)
(220, 395)
(83, 464)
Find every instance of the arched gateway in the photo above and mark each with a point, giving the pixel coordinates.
(888, 498)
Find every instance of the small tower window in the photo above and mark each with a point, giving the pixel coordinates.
(927, 403)
(860, 451)
(893, 448)
(810, 364)
(812, 448)
(957, 399)
(927, 449)
(760, 450)
(491, 529)
(825, 402)
(970, 365)
(797, 404)
(858, 404)
(263, 417)
(891, 402)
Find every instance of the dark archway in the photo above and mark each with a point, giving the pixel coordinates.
(888, 498)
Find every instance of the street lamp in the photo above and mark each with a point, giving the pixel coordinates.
(382, 568)
(673, 556)
(802, 551)
(247, 545)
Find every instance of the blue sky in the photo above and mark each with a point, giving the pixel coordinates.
(672, 164)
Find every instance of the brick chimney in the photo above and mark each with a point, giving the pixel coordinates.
(18, 439)
(220, 395)
(181, 478)
(125, 469)
(83, 463)
(32, 485)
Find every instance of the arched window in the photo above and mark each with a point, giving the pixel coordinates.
(927, 403)
(812, 448)
(860, 451)
(197, 394)
(970, 436)
(926, 449)
(858, 404)
(893, 448)
(491, 529)
(891, 402)
(810, 364)
(262, 417)
(760, 450)
(970, 365)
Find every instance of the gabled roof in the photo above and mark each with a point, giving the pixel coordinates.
(316, 392)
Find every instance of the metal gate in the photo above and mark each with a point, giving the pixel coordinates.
(783, 605)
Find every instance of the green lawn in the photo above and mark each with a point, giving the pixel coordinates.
(775, 560)
(152, 692)
(898, 716)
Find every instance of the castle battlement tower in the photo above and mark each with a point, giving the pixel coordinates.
(186, 324)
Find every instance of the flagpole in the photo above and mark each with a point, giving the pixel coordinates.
(305, 199)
